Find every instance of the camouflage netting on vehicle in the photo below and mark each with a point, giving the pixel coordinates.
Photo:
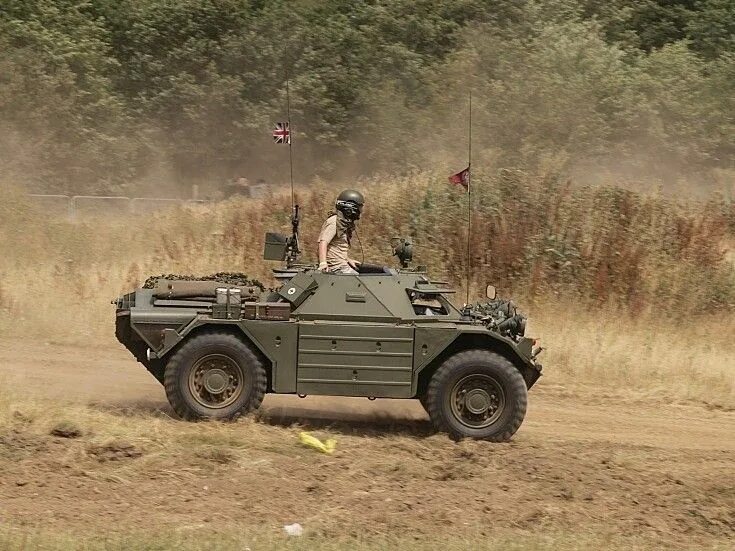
(229, 278)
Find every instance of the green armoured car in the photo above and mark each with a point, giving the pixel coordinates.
(219, 345)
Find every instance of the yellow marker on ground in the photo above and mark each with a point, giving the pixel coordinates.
(325, 447)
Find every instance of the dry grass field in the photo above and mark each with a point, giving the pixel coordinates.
(628, 291)
(628, 443)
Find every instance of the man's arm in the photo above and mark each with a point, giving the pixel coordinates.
(323, 255)
(329, 231)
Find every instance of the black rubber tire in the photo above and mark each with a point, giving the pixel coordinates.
(176, 379)
(487, 363)
(424, 404)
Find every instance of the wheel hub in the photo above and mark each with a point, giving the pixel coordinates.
(215, 381)
(477, 400)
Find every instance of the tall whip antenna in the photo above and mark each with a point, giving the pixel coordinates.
(293, 248)
(290, 140)
(469, 198)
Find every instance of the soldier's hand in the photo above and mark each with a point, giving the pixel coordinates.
(354, 264)
(323, 267)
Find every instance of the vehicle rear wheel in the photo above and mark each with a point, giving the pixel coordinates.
(214, 376)
(477, 394)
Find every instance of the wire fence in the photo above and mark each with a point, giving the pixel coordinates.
(74, 207)
(80, 206)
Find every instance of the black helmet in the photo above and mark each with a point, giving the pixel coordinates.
(350, 203)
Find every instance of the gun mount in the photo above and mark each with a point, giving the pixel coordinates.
(403, 250)
(284, 248)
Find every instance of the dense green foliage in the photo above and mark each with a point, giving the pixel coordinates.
(100, 95)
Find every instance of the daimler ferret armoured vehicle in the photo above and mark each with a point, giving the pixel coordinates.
(219, 347)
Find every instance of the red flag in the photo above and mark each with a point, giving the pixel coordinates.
(461, 178)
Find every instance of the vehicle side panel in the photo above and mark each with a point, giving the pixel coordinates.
(151, 323)
(341, 297)
(345, 359)
(429, 343)
(278, 341)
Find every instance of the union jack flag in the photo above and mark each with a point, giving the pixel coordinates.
(282, 133)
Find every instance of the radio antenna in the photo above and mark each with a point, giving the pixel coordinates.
(290, 140)
(469, 197)
(293, 246)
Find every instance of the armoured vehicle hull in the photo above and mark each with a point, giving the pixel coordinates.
(219, 348)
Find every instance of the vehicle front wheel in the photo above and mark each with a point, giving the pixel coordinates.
(477, 394)
(214, 376)
(424, 403)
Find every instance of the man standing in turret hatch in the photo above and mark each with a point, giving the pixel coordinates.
(336, 235)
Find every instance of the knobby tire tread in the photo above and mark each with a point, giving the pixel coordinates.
(440, 383)
(177, 361)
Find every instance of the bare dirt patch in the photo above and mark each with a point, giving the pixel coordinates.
(581, 462)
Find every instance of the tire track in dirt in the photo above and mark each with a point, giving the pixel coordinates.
(110, 377)
(583, 458)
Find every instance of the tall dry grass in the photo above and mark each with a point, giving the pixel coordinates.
(624, 288)
(643, 356)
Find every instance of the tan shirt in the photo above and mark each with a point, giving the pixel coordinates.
(338, 249)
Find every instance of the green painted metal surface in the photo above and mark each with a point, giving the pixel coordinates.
(278, 341)
(347, 335)
(350, 359)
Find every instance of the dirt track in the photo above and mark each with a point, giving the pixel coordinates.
(581, 459)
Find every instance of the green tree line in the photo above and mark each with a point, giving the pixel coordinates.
(99, 96)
